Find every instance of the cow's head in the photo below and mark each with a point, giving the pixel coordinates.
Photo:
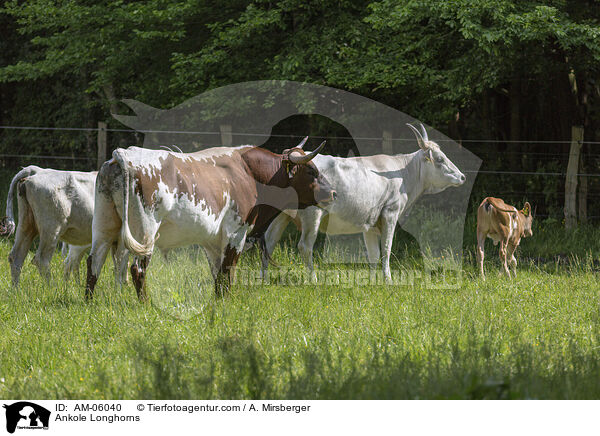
(312, 188)
(527, 220)
(439, 172)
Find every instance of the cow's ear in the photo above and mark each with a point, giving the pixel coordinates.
(290, 168)
(526, 209)
(429, 156)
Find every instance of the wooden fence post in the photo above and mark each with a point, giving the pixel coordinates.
(386, 144)
(571, 180)
(226, 135)
(582, 193)
(101, 143)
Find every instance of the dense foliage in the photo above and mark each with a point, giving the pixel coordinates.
(502, 70)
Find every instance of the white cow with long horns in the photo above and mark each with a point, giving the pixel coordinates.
(372, 193)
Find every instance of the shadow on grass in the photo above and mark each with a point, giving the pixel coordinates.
(239, 369)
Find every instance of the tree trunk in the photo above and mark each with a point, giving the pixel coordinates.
(571, 181)
(580, 120)
(583, 192)
(109, 94)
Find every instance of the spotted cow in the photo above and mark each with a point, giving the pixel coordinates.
(216, 198)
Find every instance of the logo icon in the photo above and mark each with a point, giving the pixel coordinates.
(26, 415)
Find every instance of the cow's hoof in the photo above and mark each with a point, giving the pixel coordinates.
(143, 297)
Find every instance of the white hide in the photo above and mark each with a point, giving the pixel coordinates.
(62, 206)
(183, 220)
(372, 193)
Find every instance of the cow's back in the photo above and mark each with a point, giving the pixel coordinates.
(364, 185)
(63, 198)
(493, 221)
(204, 179)
(188, 198)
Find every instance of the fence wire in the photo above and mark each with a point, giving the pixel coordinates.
(545, 161)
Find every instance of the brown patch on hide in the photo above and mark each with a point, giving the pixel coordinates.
(256, 179)
(204, 180)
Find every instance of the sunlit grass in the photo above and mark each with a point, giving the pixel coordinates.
(532, 337)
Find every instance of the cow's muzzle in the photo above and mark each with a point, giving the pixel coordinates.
(330, 198)
(459, 179)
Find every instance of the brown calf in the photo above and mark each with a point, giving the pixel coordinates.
(505, 224)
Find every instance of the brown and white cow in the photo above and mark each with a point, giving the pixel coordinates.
(503, 224)
(56, 206)
(215, 198)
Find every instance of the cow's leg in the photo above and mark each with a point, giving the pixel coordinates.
(124, 263)
(226, 274)
(272, 237)
(503, 260)
(233, 242)
(120, 257)
(106, 224)
(26, 232)
(139, 268)
(388, 224)
(74, 256)
(311, 220)
(95, 261)
(67, 263)
(480, 252)
(64, 249)
(47, 247)
(372, 242)
(77, 261)
(213, 255)
(513, 261)
(24, 237)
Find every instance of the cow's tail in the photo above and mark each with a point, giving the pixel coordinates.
(140, 249)
(7, 224)
(489, 204)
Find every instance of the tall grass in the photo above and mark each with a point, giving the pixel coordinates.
(532, 337)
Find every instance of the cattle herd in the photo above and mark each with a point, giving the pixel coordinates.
(224, 197)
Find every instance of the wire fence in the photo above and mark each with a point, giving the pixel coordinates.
(541, 177)
(366, 138)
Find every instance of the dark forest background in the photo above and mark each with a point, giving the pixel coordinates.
(510, 80)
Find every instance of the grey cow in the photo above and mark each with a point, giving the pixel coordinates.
(56, 206)
(372, 193)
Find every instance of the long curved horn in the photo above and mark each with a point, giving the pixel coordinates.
(298, 158)
(420, 139)
(302, 143)
(425, 137)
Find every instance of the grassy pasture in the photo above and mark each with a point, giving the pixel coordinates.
(533, 337)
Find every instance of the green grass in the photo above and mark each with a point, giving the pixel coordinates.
(533, 337)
